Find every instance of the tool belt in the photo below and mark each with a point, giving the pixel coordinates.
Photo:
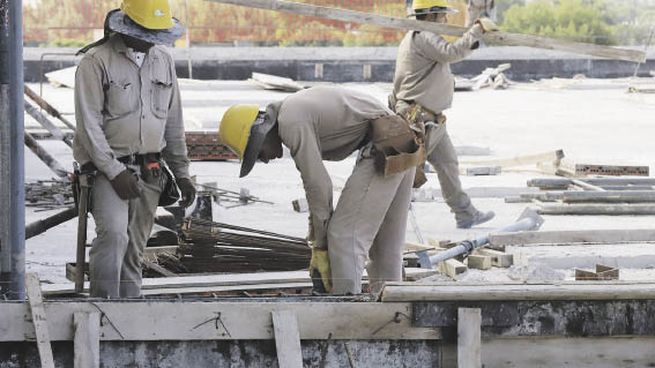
(398, 145)
(152, 169)
(416, 114)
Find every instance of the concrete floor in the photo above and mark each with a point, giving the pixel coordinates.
(593, 121)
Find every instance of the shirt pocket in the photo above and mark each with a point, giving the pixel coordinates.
(121, 99)
(161, 92)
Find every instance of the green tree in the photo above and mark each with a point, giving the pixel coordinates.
(575, 20)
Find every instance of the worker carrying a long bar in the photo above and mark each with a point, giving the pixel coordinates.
(423, 88)
(130, 129)
(369, 221)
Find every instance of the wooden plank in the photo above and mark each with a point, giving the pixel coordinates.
(521, 160)
(478, 262)
(598, 209)
(39, 320)
(469, 338)
(581, 352)
(626, 196)
(480, 292)
(501, 38)
(234, 280)
(527, 238)
(498, 258)
(180, 320)
(87, 339)
(287, 339)
(601, 182)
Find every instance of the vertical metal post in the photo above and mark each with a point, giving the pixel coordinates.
(12, 164)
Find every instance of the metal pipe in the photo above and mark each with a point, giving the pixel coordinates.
(12, 161)
(529, 220)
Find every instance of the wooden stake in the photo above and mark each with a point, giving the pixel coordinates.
(469, 338)
(39, 319)
(87, 339)
(287, 339)
(500, 38)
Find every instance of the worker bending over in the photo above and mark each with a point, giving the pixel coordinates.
(423, 88)
(369, 221)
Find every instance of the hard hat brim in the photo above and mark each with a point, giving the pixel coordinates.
(119, 22)
(257, 137)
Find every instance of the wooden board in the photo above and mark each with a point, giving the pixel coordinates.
(39, 320)
(521, 160)
(469, 338)
(482, 292)
(287, 339)
(179, 320)
(597, 209)
(526, 238)
(501, 38)
(87, 339)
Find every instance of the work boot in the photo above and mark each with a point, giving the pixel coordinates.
(477, 219)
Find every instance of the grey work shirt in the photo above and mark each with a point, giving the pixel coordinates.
(423, 68)
(123, 109)
(324, 123)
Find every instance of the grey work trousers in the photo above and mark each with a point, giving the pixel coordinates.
(442, 156)
(123, 228)
(369, 222)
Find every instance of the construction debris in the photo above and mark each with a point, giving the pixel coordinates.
(206, 146)
(611, 170)
(602, 273)
(48, 194)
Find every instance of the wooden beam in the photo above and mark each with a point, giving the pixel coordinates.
(597, 209)
(452, 268)
(485, 292)
(39, 320)
(87, 339)
(501, 38)
(527, 238)
(614, 196)
(157, 320)
(520, 160)
(469, 338)
(287, 339)
(478, 262)
(498, 258)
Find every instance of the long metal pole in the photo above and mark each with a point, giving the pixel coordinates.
(12, 163)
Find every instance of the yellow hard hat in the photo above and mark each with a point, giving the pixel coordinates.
(243, 129)
(150, 14)
(431, 6)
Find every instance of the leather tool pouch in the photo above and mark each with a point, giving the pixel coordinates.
(398, 145)
(170, 193)
(83, 175)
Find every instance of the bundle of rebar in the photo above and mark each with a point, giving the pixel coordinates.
(218, 247)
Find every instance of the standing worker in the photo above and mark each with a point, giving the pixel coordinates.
(129, 127)
(424, 85)
(330, 123)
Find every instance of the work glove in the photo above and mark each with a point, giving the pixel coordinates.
(188, 191)
(126, 185)
(319, 271)
(487, 24)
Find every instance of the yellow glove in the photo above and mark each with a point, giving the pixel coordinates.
(487, 24)
(319, 270)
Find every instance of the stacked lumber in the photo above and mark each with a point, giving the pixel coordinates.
(591, 196)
